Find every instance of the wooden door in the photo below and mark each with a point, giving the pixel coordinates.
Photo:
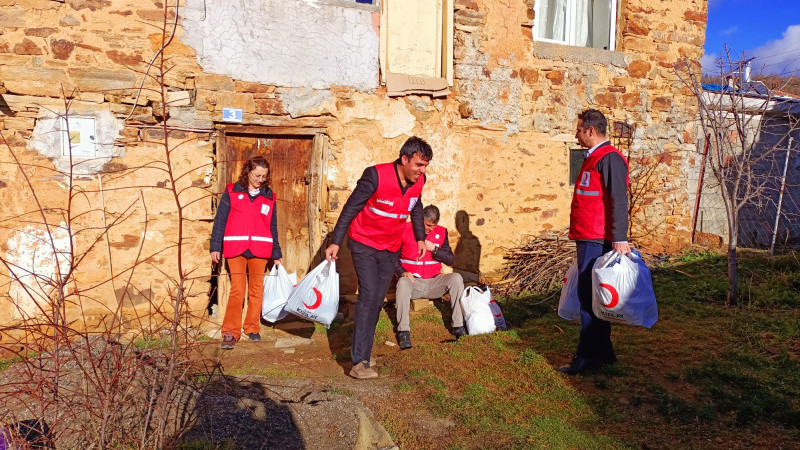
(289, 158)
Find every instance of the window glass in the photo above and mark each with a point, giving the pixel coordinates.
(575, 162)
(582, 23)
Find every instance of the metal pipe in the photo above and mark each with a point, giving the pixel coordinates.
(780, 197)
(700, 180)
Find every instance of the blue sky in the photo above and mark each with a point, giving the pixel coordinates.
(768, 30)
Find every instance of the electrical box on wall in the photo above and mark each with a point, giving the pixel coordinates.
(80, 137)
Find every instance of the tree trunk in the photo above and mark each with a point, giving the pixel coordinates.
(733, 277)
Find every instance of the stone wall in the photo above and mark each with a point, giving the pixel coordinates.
(500, 172)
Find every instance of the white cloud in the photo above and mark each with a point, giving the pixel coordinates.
(781, 56)
(729, 31)
(710, 64)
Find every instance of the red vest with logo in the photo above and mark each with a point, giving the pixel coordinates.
(380, 223)
(248, 225)
(426, 267)
(589, 218)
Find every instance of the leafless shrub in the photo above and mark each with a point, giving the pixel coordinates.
(746, 148)
(106, 370)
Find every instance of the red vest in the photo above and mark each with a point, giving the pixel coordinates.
(248, 225)
(589, 218)
(380, 222)
(426, 267)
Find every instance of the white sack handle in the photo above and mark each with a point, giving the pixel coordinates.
(608, 259)
(281, 270)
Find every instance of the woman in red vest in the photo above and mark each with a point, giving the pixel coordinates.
(246, 234)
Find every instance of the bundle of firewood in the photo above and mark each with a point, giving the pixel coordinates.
(538, 266)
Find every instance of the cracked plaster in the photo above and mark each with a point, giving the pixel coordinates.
(32, 256)
(300, 102)
(394, 118)
(290, 44)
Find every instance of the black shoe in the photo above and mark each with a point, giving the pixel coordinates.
(458, 332)
(255, 337)
(404, 340)
(578, 365)
(608, 359)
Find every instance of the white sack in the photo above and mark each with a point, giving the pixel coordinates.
(477, 312)
(278, 285)
(569, 306)
(316, 297)
(622, 290)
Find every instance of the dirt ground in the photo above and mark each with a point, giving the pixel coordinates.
(308, 362)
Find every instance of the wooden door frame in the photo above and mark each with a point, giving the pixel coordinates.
(317, 190)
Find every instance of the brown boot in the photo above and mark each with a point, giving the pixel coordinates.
(228, 341)
(361, 372)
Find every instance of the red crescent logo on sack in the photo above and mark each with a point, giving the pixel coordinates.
(614, 295)
(316, 303)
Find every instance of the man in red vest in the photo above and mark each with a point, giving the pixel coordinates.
(598, 223)
(423, 277)
(375, 214)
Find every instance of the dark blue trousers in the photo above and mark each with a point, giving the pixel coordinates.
(374, 269)
(595, 338)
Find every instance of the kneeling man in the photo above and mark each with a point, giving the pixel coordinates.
(423, 277)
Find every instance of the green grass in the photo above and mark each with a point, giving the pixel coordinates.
(514, 397)
(5, 363)
(151, 342)
(272, 371)
(403, 387)
(320, 328)
(8, 362)
(340, 391)
(704, 371)
(433, 317)
(704, 256)
(383, 329)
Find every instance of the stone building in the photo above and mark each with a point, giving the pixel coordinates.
(496, 89)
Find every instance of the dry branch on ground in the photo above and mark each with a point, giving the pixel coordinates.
(537, 266)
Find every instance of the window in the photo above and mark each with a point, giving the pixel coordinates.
(417, 38)
(576, 159)
(582, 23)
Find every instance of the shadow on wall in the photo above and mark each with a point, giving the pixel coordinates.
(468, 250)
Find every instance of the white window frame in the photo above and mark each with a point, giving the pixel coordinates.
(570, 25)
